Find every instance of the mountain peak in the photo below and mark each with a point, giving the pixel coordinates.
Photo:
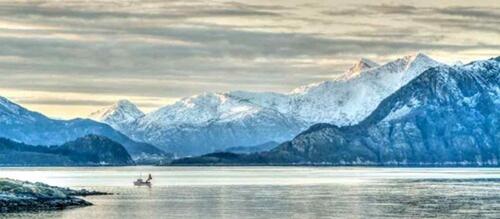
(124, 102)
(420, 59)
(123, 111)
(417, 55)
(404, 69)
(412, 63)
(361, 65)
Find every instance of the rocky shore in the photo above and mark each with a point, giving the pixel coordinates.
(17, 196)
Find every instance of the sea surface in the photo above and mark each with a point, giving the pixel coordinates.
(275, 192)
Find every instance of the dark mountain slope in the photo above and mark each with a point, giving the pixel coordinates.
(253, 149)
(88, 150)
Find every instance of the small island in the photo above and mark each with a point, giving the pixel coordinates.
(17, 196)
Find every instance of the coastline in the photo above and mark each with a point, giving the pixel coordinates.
(24, 196)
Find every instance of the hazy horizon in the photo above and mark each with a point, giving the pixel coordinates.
(68, 59)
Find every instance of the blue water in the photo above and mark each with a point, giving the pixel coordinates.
(275, 192)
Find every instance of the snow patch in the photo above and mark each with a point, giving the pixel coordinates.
(402, 111)
(121, 113)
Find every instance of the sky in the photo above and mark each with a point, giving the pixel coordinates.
(69, 58)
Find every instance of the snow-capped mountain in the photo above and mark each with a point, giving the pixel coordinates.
(447, 116)
(346, 102)
(214, 121)
(121, 113)
(22, 125)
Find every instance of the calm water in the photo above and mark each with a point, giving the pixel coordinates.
(275, 192)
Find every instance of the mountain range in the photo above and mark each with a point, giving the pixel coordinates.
(446, 116)
(215, 121)
(412, 111)
(22, 125)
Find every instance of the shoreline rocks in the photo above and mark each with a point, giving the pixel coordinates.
(19, 196)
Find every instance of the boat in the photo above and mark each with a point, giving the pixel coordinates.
(141, 182)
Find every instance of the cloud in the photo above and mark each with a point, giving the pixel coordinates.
(471, 18)
(393, 9)
(171, 49)
(73, 102)
(480, 13)
(457, 23)
(229, 58)
(364, 10)
(166, 11)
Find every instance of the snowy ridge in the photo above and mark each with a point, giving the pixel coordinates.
(341, 102)
(11, 113)
(199, 109)
(7, 106)
(346, 102)
(120, 113)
